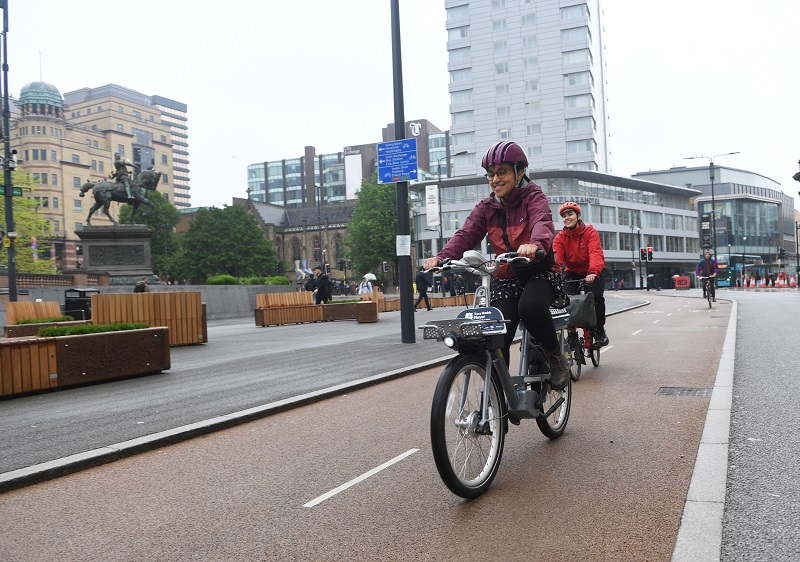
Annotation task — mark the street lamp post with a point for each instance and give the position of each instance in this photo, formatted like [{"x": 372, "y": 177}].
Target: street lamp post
[
  {"x": 713, "y": 207},
  {"x": 744, "y": 248},
  {"x": 9, "y": 163},
  {"x": 633, "y": 261},
  {"x": 446, "y": 157}
]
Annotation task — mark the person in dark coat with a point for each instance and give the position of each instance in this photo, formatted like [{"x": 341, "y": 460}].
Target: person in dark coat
[
  {"x": 422, "y": 286},
  {"x": 322, "y": 292}
]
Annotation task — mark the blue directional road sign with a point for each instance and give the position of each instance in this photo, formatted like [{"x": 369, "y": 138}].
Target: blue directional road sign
[{"x": 397, "y": 161}]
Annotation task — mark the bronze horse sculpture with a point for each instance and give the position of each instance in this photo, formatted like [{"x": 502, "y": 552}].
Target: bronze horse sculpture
[{"x": 106, "y": 191}]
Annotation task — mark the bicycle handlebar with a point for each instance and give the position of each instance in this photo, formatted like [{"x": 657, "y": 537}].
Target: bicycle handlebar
[{"x": 474, "y": 262}]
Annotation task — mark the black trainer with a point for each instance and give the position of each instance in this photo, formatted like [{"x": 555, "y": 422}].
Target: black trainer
[{"x": 600, "y": 337}]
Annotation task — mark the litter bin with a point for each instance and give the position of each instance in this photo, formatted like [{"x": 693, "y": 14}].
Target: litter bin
[{"x": 78, "y": 303}]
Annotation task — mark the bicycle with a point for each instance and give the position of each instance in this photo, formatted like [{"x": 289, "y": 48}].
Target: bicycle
[
  {"x": 582, "y": 344},
  {"x": 707, "y": 288},
  {"x": 476, "y": 395}
]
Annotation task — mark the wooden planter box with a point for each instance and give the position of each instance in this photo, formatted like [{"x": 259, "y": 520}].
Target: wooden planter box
[
  {"x": 359, "y": 311},
  {"x": 33, "y": 364},
  {"x": 183, "y": 313},
  {"x": 288, "y": 315}
]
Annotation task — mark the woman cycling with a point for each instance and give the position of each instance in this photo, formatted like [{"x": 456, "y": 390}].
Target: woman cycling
[
  {"x": 516, "y": 217},
  {"x": 578, "y": 250}
]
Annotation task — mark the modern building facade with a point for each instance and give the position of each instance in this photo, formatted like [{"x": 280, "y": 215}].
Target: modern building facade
[
  {"x": 629, "y": 214},
  {"x": 532, "y": 71},
  {"x": 752, "y": 216},
  {"x": 64, "y": 144}
]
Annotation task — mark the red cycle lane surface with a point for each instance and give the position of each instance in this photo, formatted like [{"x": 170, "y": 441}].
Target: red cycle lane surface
[{"x": 612, "y": 488}]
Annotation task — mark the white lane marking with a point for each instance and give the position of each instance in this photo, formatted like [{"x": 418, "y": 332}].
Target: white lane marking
[
  {"x": 606, "y": 348},
  {"x": 657, "y": 321},
  {"x": 358, "y": 479},
  {"x": 636, "y": 332}
]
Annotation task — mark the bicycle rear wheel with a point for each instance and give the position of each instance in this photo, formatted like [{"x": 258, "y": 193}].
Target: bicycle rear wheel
[
  {"x": 594, "y": 353},
  {"x": 467, "y": 455}
]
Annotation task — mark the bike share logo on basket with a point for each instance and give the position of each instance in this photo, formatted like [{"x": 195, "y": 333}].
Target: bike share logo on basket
[{"x": 488, "y": 315}]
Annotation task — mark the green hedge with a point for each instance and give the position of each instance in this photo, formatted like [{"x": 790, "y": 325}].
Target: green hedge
[
  {"x": 45, "y": 320},
  {"x": 80, "y": 329},
  {"x": 231, "y": 280}
]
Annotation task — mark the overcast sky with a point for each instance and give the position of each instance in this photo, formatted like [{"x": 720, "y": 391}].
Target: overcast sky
[{"x": 264, "y": 79}]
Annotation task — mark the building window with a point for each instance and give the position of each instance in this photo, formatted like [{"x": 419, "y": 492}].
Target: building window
[
  {"x": 45, "y": 202},
  {"x": 581, "y": 56},
  {"x": 535, "y": 151},
  {"x": 78, "y": 226},
  {"x": 457, "y": 33},
  {"x": 53, "y": 156},
  {"x": 575, "y": 34},
  {"x": 577, "y": 79},
  {"x": 501, "y": 67},
  {"x": 76, "y": 159},
  {"x": 44, "y": 179},
  {"x": 529, "y": 19},
  {"x": 573, "y": 12},
  {"x": 532, "y": 85},
  {"x": 137, "y": 114},
  {"x": 498, "y": 4},
  {"x": 164, "y": 139},
  {"x": 585, "y": 145},
  {"x": 54, "y": 179},
  {"x": 502, "y": 90},
  {"x": 462, "y": 117},
  {"x": 498, "y": 25},
  {"x": 458, "y": 55},
  {"x": 101, "y": 166},
  {"x": 35, "y": 152},
  {"x": 534, "y": 129},
  {"x": 95, "y": 144},
  {"x": 463, "y": 138},
  {"x": 163, "y": 158},
  {"x": 94, "y": 164},
  {"x": 529, "y": 42},
  {"x": 121, "y": 149},
  {"x": 119, "y": 127},
  {"x": 77, "y": 205},
  {"x": 88, "y": 142},
  {"x": 504, "y": 133},
  {"x": 504, "y": 111},
  {"x": 530, "y": 63},
  {"x": 119, "y": 108},
  {"x": 461, "y": 96},
  {"x": 164, "y": 178},
  {"x": 580, "y": 124},
  {"x": 608, "y": 240},
  {"x": 55, "y": 203},
  {"x": 532, "y": 107},
  {"x": 457, "y": 12},
  {"x": 56, "y": 227},
  {"x": 575, "y": 102},
  {"x": 76, "y": 182},
  {"x": 500, "y": 46},
  {"x": 463, "y": 75}
]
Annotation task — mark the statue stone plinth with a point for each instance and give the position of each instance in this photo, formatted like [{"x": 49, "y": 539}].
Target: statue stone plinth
[{"x": 122, "y": 251}]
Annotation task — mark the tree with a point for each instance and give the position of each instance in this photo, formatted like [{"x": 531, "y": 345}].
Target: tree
[
  {"x": 165, "y": 246},
  {"x": 227, "y": 240},
  {"x": 373, "y": 228},
  {"x": 30, "y": 227}
]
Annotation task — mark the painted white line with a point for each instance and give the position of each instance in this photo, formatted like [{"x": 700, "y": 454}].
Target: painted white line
[
  {"x": 606, "y": 348},
  {"x": 358, "y": 479},
  {"x": 657, "y": 321},
  {"x": 636, "y": 332}
]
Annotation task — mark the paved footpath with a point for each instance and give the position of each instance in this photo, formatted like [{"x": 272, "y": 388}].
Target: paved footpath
[{"x": 712, "y": 527}]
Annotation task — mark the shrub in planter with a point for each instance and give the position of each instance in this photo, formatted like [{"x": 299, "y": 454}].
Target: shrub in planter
[
  {"x": 222, "y": 280},
  {"x": 55, "y": 331},
  {"x": 45, "y": 320}
]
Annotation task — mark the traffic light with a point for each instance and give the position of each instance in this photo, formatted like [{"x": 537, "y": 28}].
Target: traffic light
[
  {"x": 341, "y": 265},
  {"x": 642, "y": 254},
  {"x": 782, "y": 254},
  {"x": 385, "y": 266},
  {"x": 649, "y": 254},
  {"x": 349, "y": 264},
  {"x": 327, "y": 269}
]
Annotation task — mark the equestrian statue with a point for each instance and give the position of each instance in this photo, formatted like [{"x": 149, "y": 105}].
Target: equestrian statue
[{"x": 124, "y": 189}]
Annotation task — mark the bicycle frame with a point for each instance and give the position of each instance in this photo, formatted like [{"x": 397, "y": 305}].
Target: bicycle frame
[{"x": 521, "y": 400}]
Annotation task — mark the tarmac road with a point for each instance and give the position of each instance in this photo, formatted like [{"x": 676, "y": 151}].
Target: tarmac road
[{"x": 612, "y": 488}]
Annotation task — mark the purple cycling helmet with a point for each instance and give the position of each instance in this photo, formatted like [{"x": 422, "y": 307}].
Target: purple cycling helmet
[{"x": 505, "y": 151}]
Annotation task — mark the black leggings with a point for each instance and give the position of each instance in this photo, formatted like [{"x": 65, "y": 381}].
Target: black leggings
[{"x": 533, "y": 308}]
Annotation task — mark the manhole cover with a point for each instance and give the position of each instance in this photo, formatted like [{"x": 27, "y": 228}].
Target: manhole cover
[{"x": 679, "y": 391}]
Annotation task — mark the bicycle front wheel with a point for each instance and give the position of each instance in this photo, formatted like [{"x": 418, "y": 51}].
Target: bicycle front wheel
[
  {"x": 594, "y": 353},
  {"x": 555, "y": 411},
  {"x": 575, "y": 358},
  {"x": 467, "y": 453}
]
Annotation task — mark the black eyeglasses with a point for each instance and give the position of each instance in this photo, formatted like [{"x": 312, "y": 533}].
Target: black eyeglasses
[{"x": 499, "y": 173}]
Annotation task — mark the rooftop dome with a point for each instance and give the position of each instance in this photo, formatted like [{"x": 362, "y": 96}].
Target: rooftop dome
[{"x": 41, "y": 92}]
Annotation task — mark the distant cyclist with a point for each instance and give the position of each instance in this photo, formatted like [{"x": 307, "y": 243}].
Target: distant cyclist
[
  {"x": 579, "y": 252},
  {"x": 707, "y": 267}
]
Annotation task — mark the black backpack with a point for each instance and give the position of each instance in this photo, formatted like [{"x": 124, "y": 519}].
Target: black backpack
[{"x": 310, "y": 285}]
